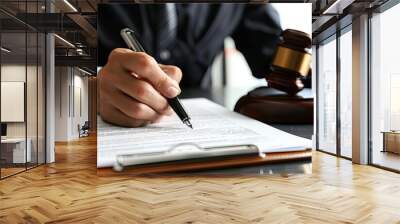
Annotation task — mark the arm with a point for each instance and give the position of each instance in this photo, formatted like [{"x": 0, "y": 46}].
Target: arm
[{"x": 256, "y": 37}]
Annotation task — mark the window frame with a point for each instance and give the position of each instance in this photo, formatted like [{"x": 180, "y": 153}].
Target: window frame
[
  {"x": 378, "y": 10},
  {"x": 335, "y": 36},
  {"x": 27, "y": 29}
]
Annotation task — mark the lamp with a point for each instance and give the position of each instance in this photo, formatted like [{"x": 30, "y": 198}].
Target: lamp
[
  {"x": 84, "y": 71},
  {"x": 64, "y": 41},
  {"x": 5, "y": 50},
  {"x": 70, "y": 6}
]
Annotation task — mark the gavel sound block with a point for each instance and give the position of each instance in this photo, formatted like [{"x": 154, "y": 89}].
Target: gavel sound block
[{"x": 284, "y": 101}]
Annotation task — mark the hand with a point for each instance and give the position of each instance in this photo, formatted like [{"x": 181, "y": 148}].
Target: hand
[{"x": 133, "y": 88}]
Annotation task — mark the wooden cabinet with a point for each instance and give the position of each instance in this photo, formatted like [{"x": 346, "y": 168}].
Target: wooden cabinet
[{"x": 391, "y": 141}]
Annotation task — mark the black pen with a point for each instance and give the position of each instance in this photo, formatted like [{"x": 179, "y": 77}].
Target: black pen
[{"x": 129, "y": 37}]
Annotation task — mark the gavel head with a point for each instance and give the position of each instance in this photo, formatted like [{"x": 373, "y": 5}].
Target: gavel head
[{"x": 291, "y": 63}]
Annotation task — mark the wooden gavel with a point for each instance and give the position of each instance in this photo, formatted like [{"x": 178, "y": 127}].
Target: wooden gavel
[
  {"x": 291, "y": 63},
  {"x": 289, "y": 70}
]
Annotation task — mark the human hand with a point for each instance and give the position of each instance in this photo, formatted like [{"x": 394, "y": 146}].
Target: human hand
[{"x": 133, "y": 88}]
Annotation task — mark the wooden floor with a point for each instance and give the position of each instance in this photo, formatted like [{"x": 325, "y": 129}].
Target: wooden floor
[
  {"x": 10, "y": 171},
  {"x": 386, "y": 159},
  {"x": 69, "y": 191}
]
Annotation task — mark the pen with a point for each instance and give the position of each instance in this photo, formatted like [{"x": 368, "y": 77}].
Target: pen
[{"x": 128, "y": 36}]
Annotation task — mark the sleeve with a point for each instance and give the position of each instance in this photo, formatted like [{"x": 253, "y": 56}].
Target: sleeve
[{"x": 256, "y": 37}]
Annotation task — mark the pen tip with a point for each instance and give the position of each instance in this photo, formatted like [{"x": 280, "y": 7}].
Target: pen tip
[{"x": 187, "y": 122}]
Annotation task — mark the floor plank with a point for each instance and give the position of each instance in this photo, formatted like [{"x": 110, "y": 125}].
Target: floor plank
[{"x": 69, "y": 191}]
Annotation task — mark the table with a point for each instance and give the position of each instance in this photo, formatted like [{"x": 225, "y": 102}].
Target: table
[
  {"x": 13, "y": 150},
  {"x": 227, "y": 97}
]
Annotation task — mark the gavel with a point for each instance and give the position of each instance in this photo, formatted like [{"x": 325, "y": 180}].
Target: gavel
[
  {"x": 291, "y": 64},
  {"x": 281, "y": 102}
]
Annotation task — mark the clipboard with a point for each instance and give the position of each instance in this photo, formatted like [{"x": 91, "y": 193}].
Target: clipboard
[{"x": 237, "y": 156}]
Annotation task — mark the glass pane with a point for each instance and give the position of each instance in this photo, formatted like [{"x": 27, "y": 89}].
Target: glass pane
[
  {"x": 31, "y": 97},
  {"x": 13, "y": 86},
  {"x": 31, "y": 84},
  {"x": 327, "y": 96},
  {"x": 346, "y": 94},
  {"x": 41, "y": 98},
  {"x": 385, "y": 84}
]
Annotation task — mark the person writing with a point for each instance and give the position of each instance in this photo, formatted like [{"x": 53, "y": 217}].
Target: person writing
[{"x": 183, "y": 40}]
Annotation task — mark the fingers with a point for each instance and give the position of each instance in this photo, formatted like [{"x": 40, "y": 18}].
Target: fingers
[
  {"x": 172, "y": 71},
  {"x": 131, "y": 107},
  {"x": 145, "y": 67},
  {"x": 115, "y": 116},
  {"x": 141, "y": 91}
]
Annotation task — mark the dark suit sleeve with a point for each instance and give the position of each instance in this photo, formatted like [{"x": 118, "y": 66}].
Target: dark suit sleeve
[{"x": 256, "y": 37}]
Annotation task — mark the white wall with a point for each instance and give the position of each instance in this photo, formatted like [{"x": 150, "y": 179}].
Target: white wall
[
  {"x": 295, "y": 16},
  {"x": 12, "y": 100},
  {"x": 14, "y": 73},
  {"x": 62, "y": 82},
  {"x": 71, "y": 94},
  {"x": 33, "y": 126},
  {"x": 80, "y": 110},
  {"x": 82, "y": 83}
]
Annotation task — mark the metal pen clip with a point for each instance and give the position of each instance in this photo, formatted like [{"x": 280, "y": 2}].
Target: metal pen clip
[{"x": 129, "y": 37}]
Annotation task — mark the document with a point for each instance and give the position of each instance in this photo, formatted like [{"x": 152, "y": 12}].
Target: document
[{"x": 213, "y": 126}]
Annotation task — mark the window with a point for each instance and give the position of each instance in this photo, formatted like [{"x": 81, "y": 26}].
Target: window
[
  {"x": 385, "y": 89},
  {"x": 327, "y": 95},
  {"x": 15, "y": 147},
  {"x": 346, "y": 92},
  {"x": 22, "y": 77},
  {"x": 334, "y": 98}
]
